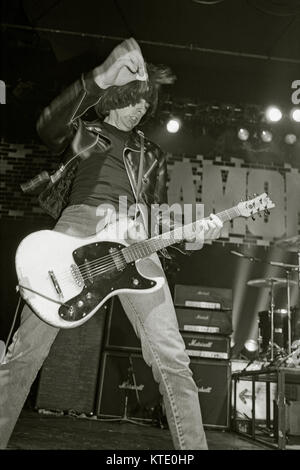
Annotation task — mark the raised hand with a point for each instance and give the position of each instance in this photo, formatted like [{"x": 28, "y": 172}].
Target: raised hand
[{"x": 124, "y": 65}]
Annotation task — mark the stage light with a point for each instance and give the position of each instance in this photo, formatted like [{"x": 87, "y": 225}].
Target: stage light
[
  {"x": 251, "y": 345},
  {"x": 295, "y": 115},
  {"x": 243, "y": 134},
  {"x": 290, "y": 139},
  {"x": 250, "y": 349},
  {"x": 273, "y": 114},
  {"x": 266, "y": 136},
  {"x": 173, "y": 125}
]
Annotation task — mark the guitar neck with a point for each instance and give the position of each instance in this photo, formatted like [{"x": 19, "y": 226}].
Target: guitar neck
[{"x": 147, "y": 247}]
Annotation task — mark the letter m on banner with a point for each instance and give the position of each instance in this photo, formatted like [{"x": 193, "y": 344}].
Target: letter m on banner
[{"x": 2, "y": 92}]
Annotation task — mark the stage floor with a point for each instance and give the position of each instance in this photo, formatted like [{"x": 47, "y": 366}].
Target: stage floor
[{"x": 36, "y": 431}]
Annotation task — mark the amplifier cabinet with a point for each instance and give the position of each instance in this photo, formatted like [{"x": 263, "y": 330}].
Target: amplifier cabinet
[
  {"x": 207, "y": 346},
  {"x": 127, "y": 387},
  {"x": 210, "y": 298},
  {"x": 69, "y": 376},
  {"x": 119, "y": 331},
  {"x": 204, "y": 321},
  {"x": 213, "y": 381}
]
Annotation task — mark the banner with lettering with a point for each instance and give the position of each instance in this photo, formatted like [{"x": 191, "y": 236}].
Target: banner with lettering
[{"x": 222, "y": 184}]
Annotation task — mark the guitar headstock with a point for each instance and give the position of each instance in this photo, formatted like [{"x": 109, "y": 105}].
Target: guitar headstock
[{"x": 256, "y": 205}]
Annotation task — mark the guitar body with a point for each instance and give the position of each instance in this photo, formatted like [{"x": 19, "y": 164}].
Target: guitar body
[{"x": 67, "y": 269}]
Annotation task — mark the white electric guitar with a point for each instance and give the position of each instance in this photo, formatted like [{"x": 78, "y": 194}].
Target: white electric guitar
[{"x": 66, "y": 279}]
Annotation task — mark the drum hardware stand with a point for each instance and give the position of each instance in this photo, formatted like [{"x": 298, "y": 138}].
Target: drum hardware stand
[
  {"x": 289, "y": 311},
  {"x": 272, "y": 307},
  {"x": 128, "y": 386}
]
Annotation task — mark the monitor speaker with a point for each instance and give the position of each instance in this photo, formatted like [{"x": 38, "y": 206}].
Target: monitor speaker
[
  {"x": 213, "y": 381},
  {"x": 69, "y": 376},
  {"x": 127, "y": 387}
]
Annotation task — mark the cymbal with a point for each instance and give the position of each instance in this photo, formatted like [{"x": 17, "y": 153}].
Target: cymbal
[
  {"x": 289, "y": 244},
  {"x": 271, "y": 281}
]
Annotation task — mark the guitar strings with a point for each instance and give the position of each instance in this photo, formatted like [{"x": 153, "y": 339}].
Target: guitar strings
[
  {"x": 83, "y": 266},
  {"x": 99, "y": 268},
  {"x": 138, "y": 246},
  {"x": 96, "y": 267},
  {"x": 103, "y": 261},
  {"x": 96, "y": 271},
  {"x": 87, "y": 273}
]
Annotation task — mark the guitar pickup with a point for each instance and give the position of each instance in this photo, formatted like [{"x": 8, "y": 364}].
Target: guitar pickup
[{"x": 55, "y": 283}]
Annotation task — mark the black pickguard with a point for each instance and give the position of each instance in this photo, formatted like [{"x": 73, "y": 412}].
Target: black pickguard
[{"x": 98, "y": 287}]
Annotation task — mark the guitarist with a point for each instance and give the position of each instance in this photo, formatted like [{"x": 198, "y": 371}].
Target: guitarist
[{"x": 104, "y": 160}]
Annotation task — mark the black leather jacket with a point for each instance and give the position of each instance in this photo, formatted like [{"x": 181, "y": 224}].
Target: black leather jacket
[{"x": 63, "y": 130}]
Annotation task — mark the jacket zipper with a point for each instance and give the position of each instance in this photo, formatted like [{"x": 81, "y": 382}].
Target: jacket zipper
[{"x": 128, "y": 175}]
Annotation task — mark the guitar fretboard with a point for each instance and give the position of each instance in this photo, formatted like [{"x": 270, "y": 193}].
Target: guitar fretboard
[{"x": 147, "y": 247}]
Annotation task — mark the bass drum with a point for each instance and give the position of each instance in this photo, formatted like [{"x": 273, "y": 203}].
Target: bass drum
[
  {"x": 280, "y": 328},
  {"x": 295, "y": 323}
]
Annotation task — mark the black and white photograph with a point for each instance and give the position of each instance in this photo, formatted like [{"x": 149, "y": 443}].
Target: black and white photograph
[{"x": 150, "y": 228}]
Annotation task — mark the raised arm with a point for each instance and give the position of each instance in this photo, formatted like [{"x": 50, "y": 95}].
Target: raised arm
[{"x": 58, "y": 122}]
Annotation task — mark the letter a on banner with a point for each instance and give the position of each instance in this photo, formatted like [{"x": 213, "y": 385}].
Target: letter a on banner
[
  {"x": 181, "y": 185},
  {"x": 182, "y": 190}
]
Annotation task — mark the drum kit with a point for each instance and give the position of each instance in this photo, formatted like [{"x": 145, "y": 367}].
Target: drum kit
[{"x": 278, "y": 328}]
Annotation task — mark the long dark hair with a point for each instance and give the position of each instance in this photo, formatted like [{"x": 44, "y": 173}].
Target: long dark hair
[{"x": 117, "y": 97}]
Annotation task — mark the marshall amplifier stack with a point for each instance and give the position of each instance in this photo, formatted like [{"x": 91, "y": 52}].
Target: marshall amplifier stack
[
  {"x": 204, "y": 316},
  {"x": 127, "y": 389}
]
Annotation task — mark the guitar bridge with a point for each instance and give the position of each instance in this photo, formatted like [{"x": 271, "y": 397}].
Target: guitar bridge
[
  {"x": 55, "y": 283},
  {"x": 77, "y": 275}
]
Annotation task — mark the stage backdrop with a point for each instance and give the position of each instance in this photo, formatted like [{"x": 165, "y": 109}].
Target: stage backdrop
[{"x": 222, "y": 184}]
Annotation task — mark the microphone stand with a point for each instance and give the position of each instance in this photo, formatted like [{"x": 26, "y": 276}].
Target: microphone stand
[
  {"x": 299, "y": 269},
  {"x": 289, "y": 312}
]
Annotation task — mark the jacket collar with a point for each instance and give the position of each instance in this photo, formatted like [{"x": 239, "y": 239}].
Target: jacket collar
[{"x": 133, "y": 141}]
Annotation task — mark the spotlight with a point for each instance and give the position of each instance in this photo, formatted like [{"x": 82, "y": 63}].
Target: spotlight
[
  {"x": 250, "y": 349},
  {"x": 173, "y": 125},
  {"x": 266, "y": 136},
  {"x": 251, "y": 345},
  {"x": 273, "y": 114},
  {"x": 243, "y": 134},
  {"x": 295, "y": 115},
  {"x": 290, "y": 139}
]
